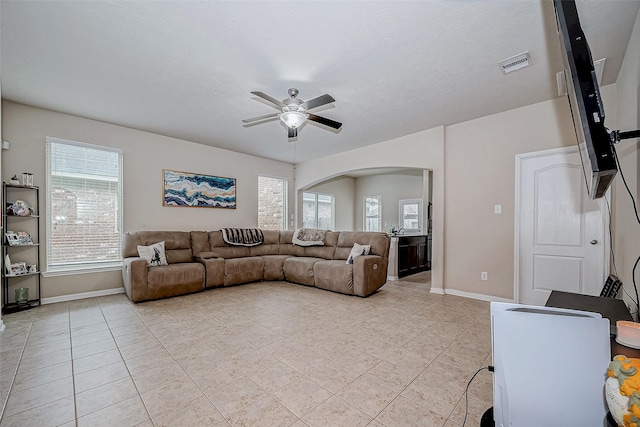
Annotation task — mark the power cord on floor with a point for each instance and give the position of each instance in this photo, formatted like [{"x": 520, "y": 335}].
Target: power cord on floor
[{"x": 466, "y": 391}]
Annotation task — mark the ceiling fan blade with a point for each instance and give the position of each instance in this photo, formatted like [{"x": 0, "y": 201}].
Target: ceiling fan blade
[
  {"x": 271, "y": 99},
  {"x": 293, "y": 132},
  {"x": 257, "y": 119},
  {"x": 325, "y": 121},
  {"x": 318, "y": 102}
]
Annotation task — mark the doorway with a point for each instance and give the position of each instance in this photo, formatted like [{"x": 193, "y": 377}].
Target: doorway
[{"x": 561, "y": 243}]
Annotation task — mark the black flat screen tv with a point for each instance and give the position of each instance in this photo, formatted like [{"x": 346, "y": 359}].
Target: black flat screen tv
[{"x": 594, "y": 140}]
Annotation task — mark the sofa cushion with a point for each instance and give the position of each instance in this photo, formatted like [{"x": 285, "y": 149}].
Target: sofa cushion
[
  {"x": 274, "y": 266},
  {"x": 224, "y": 250},
  {"x": 379, "y": 243},
  {"x": 300, "y": 270},
  {"x": 358, "y": 250},
  {"x": 270, "y": 246},
  {"x": 175, "y": 279},
  {"x": 334, "y": 276},
  {"x": 287, "y": 247},
  {"x": 243, "y": 270},
  {"x": 177, "y": 244},
  {"x": 153, "y": 254}
]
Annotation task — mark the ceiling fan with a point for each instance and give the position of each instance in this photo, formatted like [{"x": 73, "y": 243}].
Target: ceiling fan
[{"x": 294, "y": 112}]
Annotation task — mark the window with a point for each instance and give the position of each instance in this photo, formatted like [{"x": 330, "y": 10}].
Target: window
[
  {"x": 318, "y": 211},
  {"x": 272, "y": 203},
  {"x": 411, "y": 215},
  {"x": 373, "y": 213},
  {"x": 84, "y": 206}
]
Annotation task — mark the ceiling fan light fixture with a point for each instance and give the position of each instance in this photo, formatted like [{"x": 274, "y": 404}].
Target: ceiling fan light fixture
[{"x": 293, "y": 119}]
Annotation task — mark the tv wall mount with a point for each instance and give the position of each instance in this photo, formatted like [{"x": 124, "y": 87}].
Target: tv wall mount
[{"x": 617, "y": 136}]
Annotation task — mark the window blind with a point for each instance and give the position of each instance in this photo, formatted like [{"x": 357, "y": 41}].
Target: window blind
[{"x": 84, "y": 205}]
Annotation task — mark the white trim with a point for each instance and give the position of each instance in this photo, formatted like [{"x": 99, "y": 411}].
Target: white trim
[
  {"x": 392, "y": 278},
  {"x": 439, "y": 291},
  {"x": 90, "y": 270},
  {"x": 472, "y": 295},
  {"x": 2, "y": 325},
  {"x": 82, "y": 295},
  {"x": 516, "y": 245}
]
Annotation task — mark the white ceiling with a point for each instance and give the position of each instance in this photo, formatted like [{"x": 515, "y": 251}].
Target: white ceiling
[{"x": 186, "y": 69}]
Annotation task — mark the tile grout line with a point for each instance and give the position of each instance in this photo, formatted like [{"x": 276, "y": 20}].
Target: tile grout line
[{"x": 15, "y": 372}]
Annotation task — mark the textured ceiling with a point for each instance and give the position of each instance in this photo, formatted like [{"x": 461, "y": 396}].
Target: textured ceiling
[{"x": 186, "y": 69}]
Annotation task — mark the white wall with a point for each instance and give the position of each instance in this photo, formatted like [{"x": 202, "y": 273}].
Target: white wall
[
  {"x": 626, "y": 227},
  {"x": 145, "y": 155}
]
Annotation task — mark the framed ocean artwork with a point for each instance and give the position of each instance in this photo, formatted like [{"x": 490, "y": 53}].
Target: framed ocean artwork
[{"x": 197, "y": 190}]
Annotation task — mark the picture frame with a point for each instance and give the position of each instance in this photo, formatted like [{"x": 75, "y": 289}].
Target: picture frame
[
  {"x": 18, "y": 268},
  {"x": 12, "y": 238},
  {"x": 24, "y": 238},
  {"x": 186, "y": 189}
]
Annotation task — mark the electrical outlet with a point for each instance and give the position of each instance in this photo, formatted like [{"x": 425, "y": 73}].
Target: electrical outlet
[
  {"x": 484, "y": 276},
  {"x": 497, "y": 209}
]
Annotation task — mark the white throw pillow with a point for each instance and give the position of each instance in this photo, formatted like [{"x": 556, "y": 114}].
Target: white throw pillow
[
  {"x": 154, "y": 254},
  {"x": 358, "y": 250}
]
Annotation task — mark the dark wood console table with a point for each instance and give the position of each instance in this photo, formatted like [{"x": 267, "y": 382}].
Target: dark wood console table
[{"x": 610, "y": 308}]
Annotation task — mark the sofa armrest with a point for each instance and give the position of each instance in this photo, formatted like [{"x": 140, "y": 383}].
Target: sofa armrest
[
  {"x": 134, "y": 276},
  {"x": 369, "y": 274}
]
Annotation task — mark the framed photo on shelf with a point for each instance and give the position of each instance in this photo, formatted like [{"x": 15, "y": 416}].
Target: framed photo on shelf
[
  {"x": 12, "y": 238},
  {"x": 24, "y": 238},
  {"x": 18, "y": 268}
]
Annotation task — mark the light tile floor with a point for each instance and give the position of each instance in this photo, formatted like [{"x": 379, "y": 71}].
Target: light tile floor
[{"x": 264, "y": 354}]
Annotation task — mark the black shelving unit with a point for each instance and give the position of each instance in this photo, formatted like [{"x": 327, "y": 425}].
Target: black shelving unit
[{"x": 27, "y": 253}]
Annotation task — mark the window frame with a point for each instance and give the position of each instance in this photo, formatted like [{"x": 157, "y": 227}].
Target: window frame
[
  {"x": 316, "y": 209},
  {"x": 66, "y": 268},
  {"x": 365, "y": 221},
  {"x": 420, "y": 214},
  {"x": 285, "y": 207}
]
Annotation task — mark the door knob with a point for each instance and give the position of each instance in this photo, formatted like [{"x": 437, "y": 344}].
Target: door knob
[{"x": 594, "y": 242}]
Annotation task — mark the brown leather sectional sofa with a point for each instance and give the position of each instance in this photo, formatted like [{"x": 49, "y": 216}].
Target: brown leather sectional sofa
[{"x": 201, "y": 259}]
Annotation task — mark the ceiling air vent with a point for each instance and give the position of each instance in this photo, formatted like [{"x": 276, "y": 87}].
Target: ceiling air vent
[{"x": 515, "y": 63}]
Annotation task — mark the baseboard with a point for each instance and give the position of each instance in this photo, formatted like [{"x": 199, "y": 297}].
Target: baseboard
[
  {"x": 472, "y": 295},
  {"x": 82, "y": 295},
  {"x": 392, "y": 278},
  {"x": 438, "y": 291},
  {"x": 2, "y": 325}
]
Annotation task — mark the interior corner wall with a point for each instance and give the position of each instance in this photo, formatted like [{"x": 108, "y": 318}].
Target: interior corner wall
[
  {"x": 421, "y": 150},
  {"x": 392, "y": 188},
  {"x": 480, "y": 173},
  {"x": 343, "y": 191},
  {"x": 626, "y": 228},
  {"x": 145, "y": 156}
]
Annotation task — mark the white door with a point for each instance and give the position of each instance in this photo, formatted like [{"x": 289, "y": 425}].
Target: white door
[{"x": 561, "y": 242}]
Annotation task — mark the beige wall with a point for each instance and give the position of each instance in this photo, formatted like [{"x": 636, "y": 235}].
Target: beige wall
[
  {"x": 145, "y": 155},
  {"x": 421, "y": 150},
  {"x": 342, "y": 188},
  {"x": 480, "y": 173},
  {"x": 626, "y": 228},
  {"x": 392, "y": 188}
]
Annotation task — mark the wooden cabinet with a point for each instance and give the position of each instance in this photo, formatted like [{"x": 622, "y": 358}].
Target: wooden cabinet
[
  {"x": 21, "y": 247},
  {"x": 414, "y": 254}
]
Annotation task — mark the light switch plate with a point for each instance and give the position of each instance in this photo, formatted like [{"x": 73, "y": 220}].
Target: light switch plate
[{"x": 497, "y": 209}]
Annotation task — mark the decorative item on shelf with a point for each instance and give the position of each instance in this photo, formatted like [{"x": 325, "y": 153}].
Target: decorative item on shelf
[
  {"x": 7, "y": 263},
  {"x": 20, "y": 208},
  {"x": 18, "y": 268},
  {"x": 24, "y": 238},
  {"x": 12, "y": 238},
  {"x": 27, "y": 179},
  {"x": 33, "y": 268},
  {"x": 22, "y": 296},
  {"x": 14, "y": 180}
]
